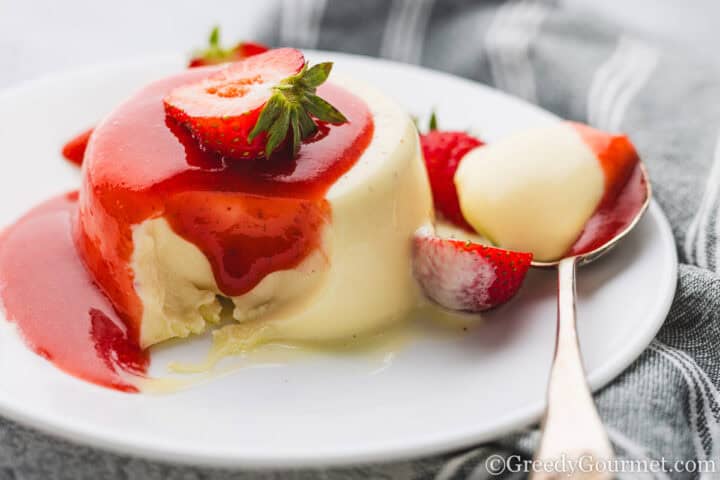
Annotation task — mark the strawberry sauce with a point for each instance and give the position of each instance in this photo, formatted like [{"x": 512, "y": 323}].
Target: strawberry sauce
[
  {"x": 625, "y": 188},
  {"x": 613, "y": 216},
  {"x": 65, "y": 274},
  {"x": 61, "y": 314},
  {"x": 249, "y": 217}
]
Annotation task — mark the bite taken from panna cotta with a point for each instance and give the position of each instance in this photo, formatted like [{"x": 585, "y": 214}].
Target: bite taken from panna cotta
[
  {"x": 536, "y": 190},
  {"x": 305, "y": 236}
]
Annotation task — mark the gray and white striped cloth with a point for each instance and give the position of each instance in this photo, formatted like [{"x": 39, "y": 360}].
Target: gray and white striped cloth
[{"x": 667, "y": 404}]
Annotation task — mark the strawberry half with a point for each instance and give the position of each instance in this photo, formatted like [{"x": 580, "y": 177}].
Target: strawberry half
[
  {"x": 467, "y": 276},
  {"x": 74, "y": 150},
  {"x": 215, "y": 53},
  {"x": 248, "y": 108},
  {"x": 443, "y": 151}
]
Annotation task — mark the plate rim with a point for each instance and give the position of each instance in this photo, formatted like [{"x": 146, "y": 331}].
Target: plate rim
[{"x": 430, "y": 444}]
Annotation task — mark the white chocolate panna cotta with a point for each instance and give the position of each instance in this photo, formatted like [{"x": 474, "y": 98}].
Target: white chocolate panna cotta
[
  {"x": 532, "y": 191},
  {"x": 357, "y": 280}
]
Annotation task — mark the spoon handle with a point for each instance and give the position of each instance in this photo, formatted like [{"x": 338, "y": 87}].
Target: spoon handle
[{"x": 571, "y": 429}]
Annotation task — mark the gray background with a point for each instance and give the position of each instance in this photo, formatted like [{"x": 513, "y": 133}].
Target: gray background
[{"x": 42, "y": 36}]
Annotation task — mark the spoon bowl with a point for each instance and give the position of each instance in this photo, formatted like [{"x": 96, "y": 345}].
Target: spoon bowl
[{"x": 590, "y": 256}]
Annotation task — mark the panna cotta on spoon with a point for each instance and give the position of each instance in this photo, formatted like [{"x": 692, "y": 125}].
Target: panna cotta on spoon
[
  {"x": 543, "y": 194},
  {"x": 536, "y": 190}
]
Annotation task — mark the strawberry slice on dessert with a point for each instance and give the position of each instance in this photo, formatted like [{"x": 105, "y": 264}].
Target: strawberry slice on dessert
[
  {"x": 466, "y": 276},
  {"x": 215, "y": 53},
  {"x": 249, "y": 108},
  {"x": 443, "y": 150}
]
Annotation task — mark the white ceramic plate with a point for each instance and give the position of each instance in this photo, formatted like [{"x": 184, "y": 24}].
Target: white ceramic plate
[{"x": 432, "y": 395}]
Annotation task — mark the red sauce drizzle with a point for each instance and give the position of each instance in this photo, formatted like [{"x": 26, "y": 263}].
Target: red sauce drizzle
[
  {"x": 625, "y": 188},
  {"x": 74, "y": 150},
  {"x": 245, "y": 237},
  {"x": 250, "y": 218},
  {"x": 61, "y": 314}
]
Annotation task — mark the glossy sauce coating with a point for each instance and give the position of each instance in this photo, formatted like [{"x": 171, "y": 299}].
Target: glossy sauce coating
[
  {"x": 625, "y": 188},
  {"x": 59, "y": 311},
  {"x": 250, "y": 218}
]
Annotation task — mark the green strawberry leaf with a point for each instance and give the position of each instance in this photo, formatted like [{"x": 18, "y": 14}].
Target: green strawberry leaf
[
  {"x": 295, "y": 125},
  {"x": 433, "y": 122},
  {"x": 307, "y": 125},
  {"x": 214, "y": 40},
  {"x": 278, "y": 131},
  {"x": 322, "y": 110},
  {"x": 214, "y": 53},
  {"x": 294, "y": 109},
  {"x": 317, "y": 75},
  {"x": 272, "y": 110}
]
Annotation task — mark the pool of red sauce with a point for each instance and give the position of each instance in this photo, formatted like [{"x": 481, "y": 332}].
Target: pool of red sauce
[
  {"x": 65, "y": 265},
  {"x": 61, "y": 314}
]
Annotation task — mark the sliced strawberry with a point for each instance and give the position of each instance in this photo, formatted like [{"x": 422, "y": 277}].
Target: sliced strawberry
[
  {"x": 74, "y": 150},
  {"x": 467, "y": 276},
  {"x": 443, "y": 151},
  {"x": 248, "y": 108},
  {"x": 248, "y": 49},
  {"x": 215, "y": 53}
]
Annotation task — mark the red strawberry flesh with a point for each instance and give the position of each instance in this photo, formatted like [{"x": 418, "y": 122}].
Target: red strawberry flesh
[
  {"x": 443, "y": 151},
  {"x": 238, "y": 88},
  {"x": 215, "y": 54},
  {"x": 251, "y": 108},
  {"x": 222, "y": 110},
  {"x": 248, "y": 49},
  {"x": 467, "y": 276}
]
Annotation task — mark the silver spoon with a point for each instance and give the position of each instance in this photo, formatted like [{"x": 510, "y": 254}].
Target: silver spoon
[{"x": 571, "y": 427}]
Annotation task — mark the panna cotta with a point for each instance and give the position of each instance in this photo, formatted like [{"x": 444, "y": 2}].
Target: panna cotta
[
  {"x": 260, "y": 202},
  {"x": 536, "y": 190},
  {"x": 314, "y": 248}
]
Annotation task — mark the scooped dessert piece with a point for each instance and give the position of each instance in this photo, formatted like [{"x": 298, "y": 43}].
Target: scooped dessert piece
[
  {"x": 308, "y": 240},
  {"x": 534, "y": 191}
]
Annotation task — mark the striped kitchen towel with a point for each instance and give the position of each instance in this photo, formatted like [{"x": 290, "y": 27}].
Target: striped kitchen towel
[{"x": 667, "y": 404}]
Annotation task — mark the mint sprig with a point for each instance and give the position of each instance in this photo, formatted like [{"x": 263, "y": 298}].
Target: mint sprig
[{"x": 294, "y": 109}]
